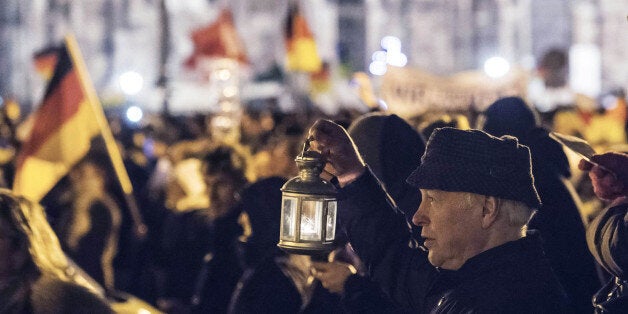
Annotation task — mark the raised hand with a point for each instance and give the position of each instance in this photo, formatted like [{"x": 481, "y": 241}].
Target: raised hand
[
  {"x": 338, "y": 150},
  {"x": 610, "y": 181}
]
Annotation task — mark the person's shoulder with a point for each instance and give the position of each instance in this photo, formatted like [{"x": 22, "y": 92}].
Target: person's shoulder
[
  {"x": 52, "y": 295},
  {"x": 522, "y": 301}
]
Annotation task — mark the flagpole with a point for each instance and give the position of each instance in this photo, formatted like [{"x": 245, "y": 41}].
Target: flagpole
[{"x": 105, "y": 132}]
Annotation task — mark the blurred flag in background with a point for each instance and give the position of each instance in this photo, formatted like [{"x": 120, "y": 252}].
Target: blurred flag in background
[
  {"x": 218, "y": 40},
  {"x": 301, "y": 51}
]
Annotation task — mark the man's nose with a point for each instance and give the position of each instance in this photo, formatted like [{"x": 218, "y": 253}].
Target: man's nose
[{"x": 419, "y": 217}]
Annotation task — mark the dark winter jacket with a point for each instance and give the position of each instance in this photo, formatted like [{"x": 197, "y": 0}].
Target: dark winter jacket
[
  {"x": 559, "y": 221},
  {"x": 512, "y": 278},
  {"x": 363, "y": 295}
]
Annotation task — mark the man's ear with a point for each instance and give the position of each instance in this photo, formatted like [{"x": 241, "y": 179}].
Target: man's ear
[{"x": 490, "y": 211}]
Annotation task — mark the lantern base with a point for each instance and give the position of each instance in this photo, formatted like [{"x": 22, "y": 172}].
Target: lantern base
[{"x": 319, "y": 252}]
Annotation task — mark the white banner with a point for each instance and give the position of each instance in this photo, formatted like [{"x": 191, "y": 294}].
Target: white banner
[{"x": 410, "y": 92}]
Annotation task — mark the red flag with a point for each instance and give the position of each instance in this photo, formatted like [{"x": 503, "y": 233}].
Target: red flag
[
  {"x": 301, "y": 52},
  {"x": 218, "y": 40}
]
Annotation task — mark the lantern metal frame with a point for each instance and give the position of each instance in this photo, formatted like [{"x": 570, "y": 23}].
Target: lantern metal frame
[{"x": 308, "y": 192}]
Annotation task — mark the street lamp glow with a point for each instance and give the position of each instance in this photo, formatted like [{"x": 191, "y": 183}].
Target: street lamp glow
[
  {"x": 224, "y": 74},
  {"x": 377, "y": 68},
  {"x": 398, "y": 59},
  {"x": 391, "y": 44},
  {"x": 134, "y": 114},
  {"x": 230, "y": 91},
  {"x": 496, "y": 67},
  {"x": 131, "y": 82},
  {"x": 379, "y": 56}
]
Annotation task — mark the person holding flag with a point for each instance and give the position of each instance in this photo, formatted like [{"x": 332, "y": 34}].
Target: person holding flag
[{"x": 63, "y": 129}]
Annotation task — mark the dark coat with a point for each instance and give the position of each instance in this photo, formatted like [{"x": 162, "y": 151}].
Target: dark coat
[
  {"x": 379, "y": 235},
  {"x": 363, "y": 295},
  {"x": 607, "y": 237},
  {"x": 559, "y": 221},
  {"x": 512, "y": 278}
]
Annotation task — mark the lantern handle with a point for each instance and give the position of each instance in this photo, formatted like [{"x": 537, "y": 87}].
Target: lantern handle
[{"x": 306, "y": 145}]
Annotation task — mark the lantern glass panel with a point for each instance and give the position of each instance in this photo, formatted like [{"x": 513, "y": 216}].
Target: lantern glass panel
[
  {"x": 330, "y": 231},
  {"x": 288, "y": 214},
  {"x": 311, "y": 220}
]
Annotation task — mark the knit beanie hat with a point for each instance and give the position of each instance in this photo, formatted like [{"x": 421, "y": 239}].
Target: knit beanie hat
[{"x": 476, "y": 162}]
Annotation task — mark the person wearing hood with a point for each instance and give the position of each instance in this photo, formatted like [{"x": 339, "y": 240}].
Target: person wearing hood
[
  {"x": 392, "y": 149},
  {"x": 558, "y": 220},
  {"x": 381, "y": 234}
]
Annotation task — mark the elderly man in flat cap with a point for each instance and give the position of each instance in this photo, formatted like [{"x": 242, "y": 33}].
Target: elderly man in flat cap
[{"x": 478, "y": 195}]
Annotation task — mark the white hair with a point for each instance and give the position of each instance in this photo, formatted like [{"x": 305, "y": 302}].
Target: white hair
[{"x": 517, "y": 213}]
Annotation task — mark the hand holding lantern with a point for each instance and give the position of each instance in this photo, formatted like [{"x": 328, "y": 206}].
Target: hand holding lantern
[{"x": 338, "y": 150}]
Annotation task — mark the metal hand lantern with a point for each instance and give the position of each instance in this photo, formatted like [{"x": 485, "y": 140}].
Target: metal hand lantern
[{"x": 308, "y": 212}]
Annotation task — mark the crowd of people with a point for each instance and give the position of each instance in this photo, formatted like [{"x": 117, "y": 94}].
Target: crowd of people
[{"x": 433, "y": 217}]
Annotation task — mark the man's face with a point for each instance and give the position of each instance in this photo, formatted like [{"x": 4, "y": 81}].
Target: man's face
[{"x": 452, "y": 226}]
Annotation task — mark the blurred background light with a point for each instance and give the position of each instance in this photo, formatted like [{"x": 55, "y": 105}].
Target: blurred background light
[
  {"x": 391, "y": 43},
  {"x": 398, "y": 59},
  {"x": 496, "y": 67},
  {"x": 230, "y": 91},
  {"x": 131, "y": 82},
  {"x": 134, "y": 114},
  {"x": 379, "y": 56},
  {"x": 377, "y": 68},
  {"x": 585, "y": 69},
  {"x": 224, "y": 74}
]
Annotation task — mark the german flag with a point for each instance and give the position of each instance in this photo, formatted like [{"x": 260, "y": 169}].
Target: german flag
[
  {"x": 69, "y": 117},
  {"x": 301, "y": 52}
]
